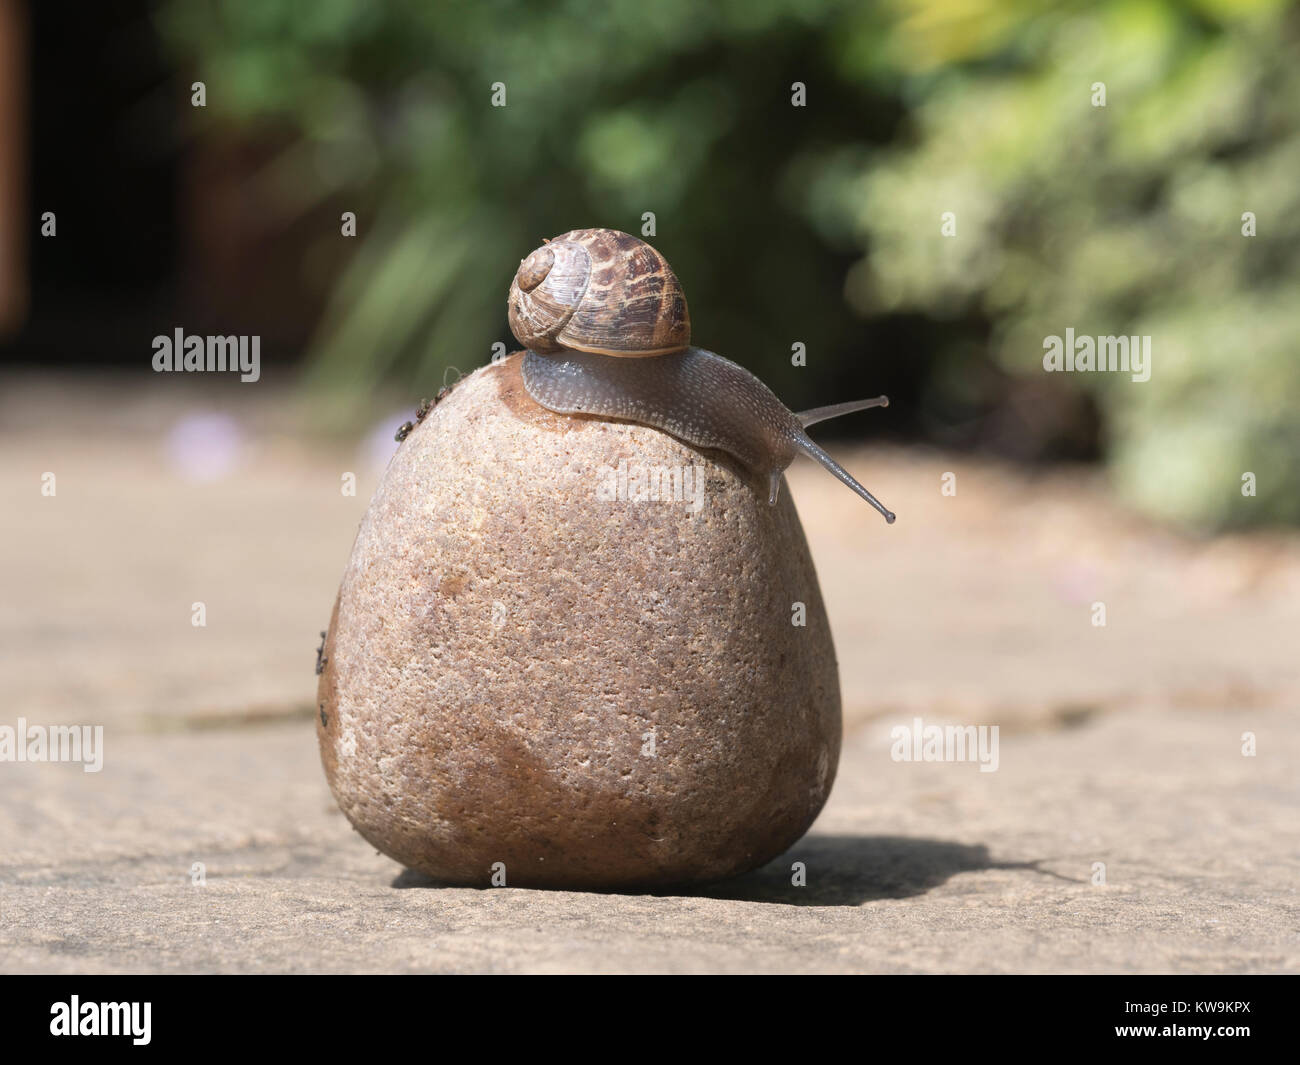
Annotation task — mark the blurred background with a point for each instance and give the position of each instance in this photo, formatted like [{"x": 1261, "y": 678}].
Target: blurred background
[{"x": 818, "y": 225}]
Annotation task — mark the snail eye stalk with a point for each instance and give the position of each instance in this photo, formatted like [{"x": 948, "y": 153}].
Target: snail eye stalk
[{"x": 821, "y": 414}]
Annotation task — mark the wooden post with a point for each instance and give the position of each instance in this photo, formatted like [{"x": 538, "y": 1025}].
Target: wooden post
[{"x": 14, "y": 223}]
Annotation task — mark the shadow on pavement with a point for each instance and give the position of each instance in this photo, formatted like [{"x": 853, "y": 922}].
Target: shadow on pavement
[
  {"x": 839, "y": 871},
  {"x": 850, "y": 870}
]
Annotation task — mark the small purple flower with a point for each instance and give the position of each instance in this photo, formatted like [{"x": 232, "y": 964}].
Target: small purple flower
[{"x": 206, "y": 446}]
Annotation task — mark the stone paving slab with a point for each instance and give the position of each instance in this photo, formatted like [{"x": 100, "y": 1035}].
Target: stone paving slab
[{"x": 913, "y": 867}]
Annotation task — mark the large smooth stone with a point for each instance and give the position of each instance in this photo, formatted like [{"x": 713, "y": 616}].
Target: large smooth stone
[{"x": 594, "y": 692}]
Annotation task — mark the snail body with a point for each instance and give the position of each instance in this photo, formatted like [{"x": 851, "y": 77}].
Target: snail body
[{"x": 607, "y": 329}]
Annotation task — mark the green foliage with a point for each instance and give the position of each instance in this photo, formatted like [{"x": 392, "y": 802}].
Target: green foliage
[
  {"x": 799, "y": 223},
  {"x": 1117, "y": 220},
  {"x": 612, "y": 110}
]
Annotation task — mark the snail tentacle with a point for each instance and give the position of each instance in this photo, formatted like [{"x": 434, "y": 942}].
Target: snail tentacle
[
  {"x": 821, "y": 414},
  {"x": 804, "y": 444}
]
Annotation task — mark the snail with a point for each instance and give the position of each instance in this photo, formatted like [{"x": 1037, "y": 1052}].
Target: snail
[{"x": 608, "y": 333}]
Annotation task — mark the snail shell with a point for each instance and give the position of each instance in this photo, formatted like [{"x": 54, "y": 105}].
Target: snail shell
[{"x": 601, "y": 291}]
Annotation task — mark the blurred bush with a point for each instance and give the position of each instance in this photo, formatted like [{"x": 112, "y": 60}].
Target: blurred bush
[
  {"x": 1125, "y": 219},
  {"x": 797, "y": 224},
  {"x": 613, "y": 109}
]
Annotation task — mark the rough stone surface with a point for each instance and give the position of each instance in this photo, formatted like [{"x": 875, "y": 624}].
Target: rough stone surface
[{"x": 508, "y": 644}]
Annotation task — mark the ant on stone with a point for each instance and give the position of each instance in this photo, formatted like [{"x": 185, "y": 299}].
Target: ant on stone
[
  {"x": 320, "y": 656},
  {"x": 404, "y": 430}
]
